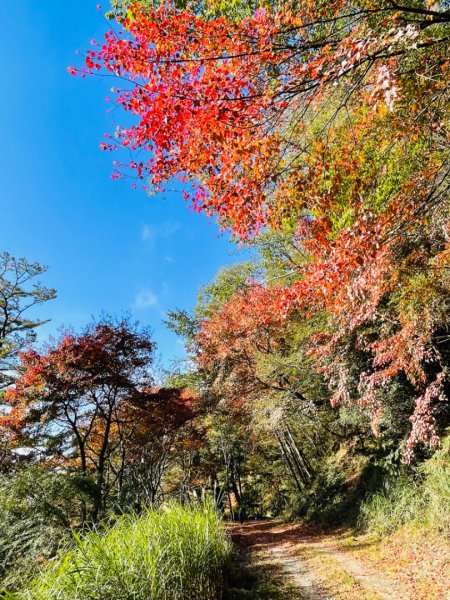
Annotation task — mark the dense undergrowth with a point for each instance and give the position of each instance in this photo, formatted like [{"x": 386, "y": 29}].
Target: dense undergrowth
[
  {"x": 174, "y": 552},
  {"x": 356, "y": 491},
  {"x": 421, "y": 500}
]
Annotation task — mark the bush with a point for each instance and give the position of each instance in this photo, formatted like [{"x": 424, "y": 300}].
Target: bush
[
  {"x": 338, "y": 490},
  {"x": 421, "y": 498},
  {"x": 400, "y": 502},
  {"x": 436, "y": 490},
  {"x": 38, "y": 507},
  {"x": 173, "y": 552},
  {"x": 322, "y": 502}
]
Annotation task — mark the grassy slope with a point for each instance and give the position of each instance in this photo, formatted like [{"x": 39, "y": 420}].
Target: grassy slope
[
  {"x": 419, "y": 559},
  {"x": 409, "y": 529}
]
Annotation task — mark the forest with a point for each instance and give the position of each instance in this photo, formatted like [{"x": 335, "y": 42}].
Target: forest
[{"x": 310, "y": 420}]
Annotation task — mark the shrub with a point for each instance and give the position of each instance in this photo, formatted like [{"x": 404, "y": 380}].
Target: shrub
[
  {"x": 400, "y": 502},
  {"x": 38, "y": 507},
  {"x": 436, "y": 489},
  {"x": 422, "y": 498},
  {"x": 338, "y": 490}
]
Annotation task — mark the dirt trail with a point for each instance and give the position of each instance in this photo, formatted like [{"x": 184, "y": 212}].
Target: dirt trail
[
  {"x": 301, "y": 575},
  {"x": 317, "y": 564}
]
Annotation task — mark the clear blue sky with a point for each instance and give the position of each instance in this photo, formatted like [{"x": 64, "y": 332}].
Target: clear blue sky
[{"x": 108, "y": 247}]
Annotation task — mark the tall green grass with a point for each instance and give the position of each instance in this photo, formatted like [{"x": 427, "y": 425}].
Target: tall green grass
[
  {"x": 171, "y": 553},
  {"x": 400, "y": 502},
  {"x": 422, "y": 500}
]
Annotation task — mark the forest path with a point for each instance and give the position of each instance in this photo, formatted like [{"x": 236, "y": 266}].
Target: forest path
[{"x": 317, "y": 565}]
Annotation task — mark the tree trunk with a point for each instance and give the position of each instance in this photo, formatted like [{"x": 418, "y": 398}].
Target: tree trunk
[{"x": 288, "y": 462}]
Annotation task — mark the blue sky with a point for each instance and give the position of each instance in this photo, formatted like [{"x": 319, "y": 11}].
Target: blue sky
[{"x": 108, "y": 247}]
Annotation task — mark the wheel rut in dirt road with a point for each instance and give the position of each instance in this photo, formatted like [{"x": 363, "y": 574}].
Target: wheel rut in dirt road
[
  {"x": 313, "y": 563},
  {"x": 301, "y": 575}
]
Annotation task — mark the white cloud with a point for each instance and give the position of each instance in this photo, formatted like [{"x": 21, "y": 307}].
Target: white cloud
[
  {"x": 165, "y": 230},
  {"x": 169, "y": 228},
  {"x": 145, "y": 299},
  {"x": 148, "y": 233}
]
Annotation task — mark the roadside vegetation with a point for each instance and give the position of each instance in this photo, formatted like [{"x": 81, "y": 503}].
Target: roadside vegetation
[
  {"x": 174, "y": 552},
  {"x": 421, "y": 500}
]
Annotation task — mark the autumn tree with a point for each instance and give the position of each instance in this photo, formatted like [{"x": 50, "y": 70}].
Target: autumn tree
[
  {"x": 241, "y": 97},
  {"x": 255, "y": 377},
  {"x": 329, "y": 121},
  {"x": 159, "y": 431},
  {"x": 67, "y": 403}
]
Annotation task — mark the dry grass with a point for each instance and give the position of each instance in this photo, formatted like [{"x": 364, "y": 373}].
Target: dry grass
[
  {"x": 337, "y": 583},
  {"x": 419, "y": 560}
]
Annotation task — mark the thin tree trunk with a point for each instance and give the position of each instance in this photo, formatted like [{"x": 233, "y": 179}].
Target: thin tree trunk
[
  {"x": 302, "y": 459},
  {"x": 294, "y": 458},
  {"x": 288, "y": 462}
]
